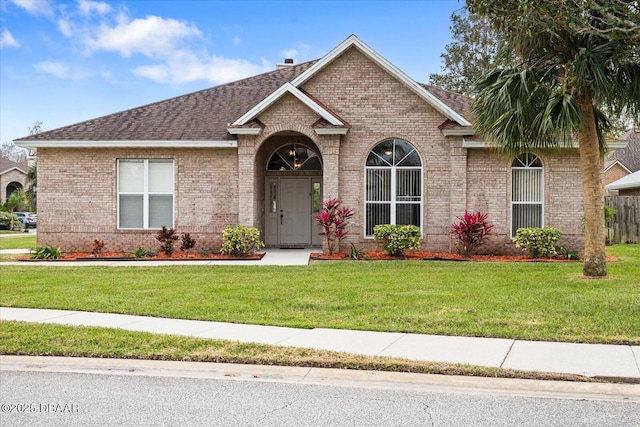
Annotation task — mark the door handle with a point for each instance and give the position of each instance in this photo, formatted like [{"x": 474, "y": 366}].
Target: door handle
[{"x": 281, "y": 216}]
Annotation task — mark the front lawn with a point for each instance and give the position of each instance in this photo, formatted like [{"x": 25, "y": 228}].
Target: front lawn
[
  {"x": 537, "y": 301},
  {"x": 24, "y": 241}
]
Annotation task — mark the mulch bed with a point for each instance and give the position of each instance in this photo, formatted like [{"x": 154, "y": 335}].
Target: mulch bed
[
  {"x": 176, "y": 256},
  {"x": 442, "y": 256}
]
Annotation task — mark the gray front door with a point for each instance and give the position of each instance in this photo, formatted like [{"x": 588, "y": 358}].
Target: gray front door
[
  {"x": 289, "y": 214},
  {"x": 295, "y": 211}
]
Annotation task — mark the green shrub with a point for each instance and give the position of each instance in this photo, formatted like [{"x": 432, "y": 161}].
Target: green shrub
[
  {"x": 540, "y": 242},
  {"x": 5, "y": 220},
  {"x": 397, "y": 238},
  {"x": 45, "y": 252},
  {"x": 140, "y": 253},
  {"x": 240, "y": 240},
  {"x": 357, "y": 253}
]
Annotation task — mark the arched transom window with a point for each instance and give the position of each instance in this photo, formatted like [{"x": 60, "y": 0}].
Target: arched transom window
[
  {"x": 294, "y": 157},
  {"x": 393, "y": 185},
  {"x": 527, "y": 192}
]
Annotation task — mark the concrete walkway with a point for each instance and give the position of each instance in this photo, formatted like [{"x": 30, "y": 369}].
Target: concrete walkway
[
  {"x": 280, "y": 257},
  {"x": 591, "y": 360}
]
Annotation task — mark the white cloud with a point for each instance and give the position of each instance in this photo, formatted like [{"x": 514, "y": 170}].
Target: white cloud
[
  {"x": 152, "y": 36},
  {"x": 299, "y": 53},
  {"x": 36, "y": 7},
  {"x": 7, "y": 40},
  {"x": 55, "y": 68},
  {"x": 236, "y": 41},
  {"x": 87, "y": 7},
  {"x": 185, "y": 66}
]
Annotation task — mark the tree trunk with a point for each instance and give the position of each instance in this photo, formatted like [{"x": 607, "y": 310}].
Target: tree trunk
[{"x": 595, "y": 264}]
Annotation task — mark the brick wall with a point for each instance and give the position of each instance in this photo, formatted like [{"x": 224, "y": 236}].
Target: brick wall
[
  {"x": 77, "y": 197},
  {"x": 8, "y": 178}
]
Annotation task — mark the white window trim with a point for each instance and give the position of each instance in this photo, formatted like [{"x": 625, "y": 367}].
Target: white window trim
[
  {"x": 542, "y": 194},
  {"x": 393, "y": 202},
  {"x": 145, "y": 194}
]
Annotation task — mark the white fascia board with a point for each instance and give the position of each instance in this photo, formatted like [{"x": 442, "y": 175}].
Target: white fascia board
[
  {"x": 458, "y": 132},
  {"x": 387, "y": 66},
  {"x": 612, "y": 145},
  {"x": 277, "y": 94},
  {"x": 617, "y": 144},
  {"x": 127, "y": 144},
  {"x": 331, "y": 131},
  {"x": 628, "y": 181},
  {"x": 244, "y": 131},
  {"x": 474, "y": 144}
]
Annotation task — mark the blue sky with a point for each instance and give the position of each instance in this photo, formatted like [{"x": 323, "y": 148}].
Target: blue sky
[{"x": 62, "y": 62}]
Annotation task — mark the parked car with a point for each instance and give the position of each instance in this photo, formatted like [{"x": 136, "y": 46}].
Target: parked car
[{"x": 29, "y": 219}]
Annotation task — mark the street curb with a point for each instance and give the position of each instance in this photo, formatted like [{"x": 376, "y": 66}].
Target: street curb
[{"x": 326, "y": 377}]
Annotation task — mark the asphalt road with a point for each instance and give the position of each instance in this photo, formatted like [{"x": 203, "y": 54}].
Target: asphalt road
[{"x": 32, "y": 398}]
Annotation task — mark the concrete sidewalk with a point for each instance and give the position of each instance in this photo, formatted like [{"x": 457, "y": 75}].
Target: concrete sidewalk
[
  {"x": 591, "y": 360},
  {"x": 280, "y": 257}
]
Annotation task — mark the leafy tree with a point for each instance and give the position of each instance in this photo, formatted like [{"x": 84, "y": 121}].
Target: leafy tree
[
  {"x": 471, "y": 53},
  {"x": 32, "y": 179},
  {"x": 9, "y": 151},
  {"x": 16, "y": 201},
  {"x": 573, "y": 55}
]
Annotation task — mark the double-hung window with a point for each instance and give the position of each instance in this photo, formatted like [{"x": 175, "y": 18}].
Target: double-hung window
[
  {"x": 145, "y": 193},
  {"x": 527, "y": 192},
  {"x": 393, "y": 185}
]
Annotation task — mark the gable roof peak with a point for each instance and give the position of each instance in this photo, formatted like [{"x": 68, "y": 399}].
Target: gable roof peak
[{"x": 354, "y": 41}]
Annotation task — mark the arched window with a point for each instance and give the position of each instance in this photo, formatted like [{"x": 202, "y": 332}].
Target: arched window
[
  {"x": 294, "y": 157},
  {"x": 393, "y": 185},
  {"x": 527, "y": 192}
]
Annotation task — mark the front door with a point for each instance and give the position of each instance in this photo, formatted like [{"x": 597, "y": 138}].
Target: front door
[
  {"x": 295, "y": 211},
  {"x": 289, "y": 218}
]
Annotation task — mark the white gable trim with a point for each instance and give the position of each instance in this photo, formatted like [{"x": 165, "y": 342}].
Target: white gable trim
[
  {"x": 617, "y": 162},
  {"x": 127, "y": 144},
  {"x": 279, "y": 93},
  {"x": 14, "y": 168},
  {"x": 388, "y": 67}
]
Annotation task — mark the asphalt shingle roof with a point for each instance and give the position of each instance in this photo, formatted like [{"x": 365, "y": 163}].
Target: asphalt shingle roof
[
  {"x": 197, "y": 116},
  {"x": 629, "y": 156},
  {"x": 204, "y": 115}
]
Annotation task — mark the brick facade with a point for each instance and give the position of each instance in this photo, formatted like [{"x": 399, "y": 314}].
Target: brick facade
[{"x": 219, "y": 186}]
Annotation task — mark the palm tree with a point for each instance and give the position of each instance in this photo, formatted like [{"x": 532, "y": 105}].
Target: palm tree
[{"x": 571, "y": 58}]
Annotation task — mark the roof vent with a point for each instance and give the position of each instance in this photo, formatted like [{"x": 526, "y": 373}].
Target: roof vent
[{"x": 288, "y": 62}]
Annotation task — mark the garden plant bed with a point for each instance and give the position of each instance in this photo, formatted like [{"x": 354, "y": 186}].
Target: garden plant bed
[
  {"x": 176, "y": 256},
  {"x": 441, "y": 256}
]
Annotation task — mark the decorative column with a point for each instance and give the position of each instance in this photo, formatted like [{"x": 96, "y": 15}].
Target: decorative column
[
  {"x": 330, "y": 167},
  {"x": 246, "y": 180}
]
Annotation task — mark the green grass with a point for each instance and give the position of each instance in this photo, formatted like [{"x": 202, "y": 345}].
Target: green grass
[
  {"x": 21, "y": 242},
  {"x": 20, "y": 338},
  {"x": 537, "y": 301}
]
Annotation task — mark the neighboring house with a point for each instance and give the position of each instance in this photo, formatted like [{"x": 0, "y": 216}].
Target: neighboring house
[
  {"x": 266, "y": 150},
  {"x": 628, "y": 185},
  {"x": 13, "y": 177},
  {"x": 620, "y": 163}
]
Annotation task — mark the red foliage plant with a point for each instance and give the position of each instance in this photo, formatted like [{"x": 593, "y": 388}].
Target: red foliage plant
[
  {"x": 471, "y": 230},
  {"x": 333, "y": 221}
]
